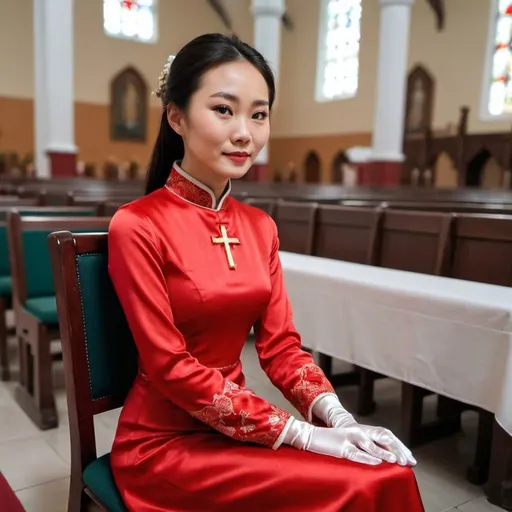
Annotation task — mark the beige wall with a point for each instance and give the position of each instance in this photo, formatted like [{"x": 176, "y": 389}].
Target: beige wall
[
  {"x": 298, "y": 114},
  {"x": 455, "y": 57},
  {"x": 99, "y": 57}
]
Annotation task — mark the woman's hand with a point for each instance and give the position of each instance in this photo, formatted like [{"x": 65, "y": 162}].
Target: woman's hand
[
  {"x": 333, "y": 414},
  {"x": 358, "y": 443}
]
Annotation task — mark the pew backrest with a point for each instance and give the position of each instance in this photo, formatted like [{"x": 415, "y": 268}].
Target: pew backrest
[
  {"x": 482, "y": 248},
  {"x": 296, "y": 226},
  {"x": 267, "y": 205},
  {"x": 347, "y": 233},
  {"x": 414, "y": 241}
]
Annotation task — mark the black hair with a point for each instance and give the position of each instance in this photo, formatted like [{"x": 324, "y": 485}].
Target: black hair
[{"x": 184, "y": 78}]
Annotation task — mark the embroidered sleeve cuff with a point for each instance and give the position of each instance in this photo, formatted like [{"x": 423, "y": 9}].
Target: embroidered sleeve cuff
[
  {"x": 282, "y": 436},
  {"x": 263, "y": 424},
  {"x": 312, "y": 383}
]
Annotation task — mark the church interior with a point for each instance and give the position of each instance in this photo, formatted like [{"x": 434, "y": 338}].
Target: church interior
[{"x": 388, "y": 173}]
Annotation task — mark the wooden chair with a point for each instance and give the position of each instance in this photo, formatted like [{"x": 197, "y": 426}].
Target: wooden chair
[
  {"x": 100, "y": 359},
  {"x": 35, "y": 308},
  {"x": 414, "y": 241},
  {"x": 24, "y": 206},
  {"x": 348, "y": 234},
  {"x": 267, "y": 205},
  {"x": 481, "y": 250},
  {"x": 296, "y": 226},
  {"x": 418, "y": 242}
]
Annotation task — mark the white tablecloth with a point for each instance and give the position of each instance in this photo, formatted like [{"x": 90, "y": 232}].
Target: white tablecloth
[{"x": 450, "y": 336}]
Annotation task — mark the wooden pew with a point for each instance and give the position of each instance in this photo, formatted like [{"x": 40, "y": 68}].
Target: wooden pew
[
  {"x": 267, "y": 205},
  {"x": 6, "y": 204},
  {"x": 35, "y": 309},
  {"x": 417, "y": 242},
  {"x": 100, "y": 360},
  {"x": 296, "y": 225},
  {"x": 347, "y": 234},
  {"x": 482, "y": 251},
  {"x": 100, "y": 203},
  {"x": 60, "y": 192}
]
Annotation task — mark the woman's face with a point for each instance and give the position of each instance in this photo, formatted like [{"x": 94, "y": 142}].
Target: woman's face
[{"x": 226, "y": 124}]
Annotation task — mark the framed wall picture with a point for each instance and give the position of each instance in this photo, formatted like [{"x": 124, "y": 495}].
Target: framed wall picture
[{"x": 128, "y": 106}]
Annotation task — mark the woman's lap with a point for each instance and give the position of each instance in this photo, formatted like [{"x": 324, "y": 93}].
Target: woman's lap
[{"x": 213, "y": 471}]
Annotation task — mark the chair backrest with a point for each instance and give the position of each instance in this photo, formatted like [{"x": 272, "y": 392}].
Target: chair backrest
[
  {"x": 267, "y": 205},
  {"x": 346, "y": 233},
  {"x": 414, "y": 241},
  {"x": 99, "y": 354},
  {"x": 296, "y": 225},
  {"x": 26, "y": 207},
  {"x": 28, "y": 250},
  {"x": 482, "y": 248}
]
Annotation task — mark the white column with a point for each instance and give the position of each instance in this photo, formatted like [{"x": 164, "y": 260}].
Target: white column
[
  {"x": 388, "y": 128},
  {"x": 54, "y": 83},
  {"x": 267, "y": 40}
]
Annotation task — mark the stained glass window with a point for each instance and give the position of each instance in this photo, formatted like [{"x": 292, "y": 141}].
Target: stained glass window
[
  {"x": 338, "y": 53},
  {"x": 131, "y": 19},
  {"x": 500, "y": 91}
]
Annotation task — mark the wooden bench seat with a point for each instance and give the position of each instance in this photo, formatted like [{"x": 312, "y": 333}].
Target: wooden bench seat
[{"x": 35, "y": 307}]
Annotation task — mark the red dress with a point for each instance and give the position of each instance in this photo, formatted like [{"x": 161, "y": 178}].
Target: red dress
[{"x": 191, "y": 436}]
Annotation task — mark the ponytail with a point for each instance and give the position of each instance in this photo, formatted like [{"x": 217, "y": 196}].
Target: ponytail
[{"x": 168, "y": 148}]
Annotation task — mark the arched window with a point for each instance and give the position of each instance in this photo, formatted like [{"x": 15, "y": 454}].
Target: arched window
[
  {"x": 130, "y": 19},
  {"x": 497, "y": 90},
  {"x": 338, "y": 49}
]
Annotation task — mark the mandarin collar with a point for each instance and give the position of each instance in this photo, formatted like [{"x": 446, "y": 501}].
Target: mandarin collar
[{"x": 190, "y": 189}]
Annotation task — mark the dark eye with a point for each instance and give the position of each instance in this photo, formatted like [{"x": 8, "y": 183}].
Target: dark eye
[
  {"x": 260, "y": 116},
  {"x": 223, "y": 110}
]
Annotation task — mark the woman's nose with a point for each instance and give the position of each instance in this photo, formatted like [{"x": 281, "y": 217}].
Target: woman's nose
[{"x": 241, "y": 134}]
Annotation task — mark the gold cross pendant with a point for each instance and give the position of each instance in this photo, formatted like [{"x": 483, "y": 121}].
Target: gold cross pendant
[{"x": 227, "y": 242}]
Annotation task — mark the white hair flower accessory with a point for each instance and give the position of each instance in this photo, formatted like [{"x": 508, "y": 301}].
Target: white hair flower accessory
[{"x": 162, "y": 79}]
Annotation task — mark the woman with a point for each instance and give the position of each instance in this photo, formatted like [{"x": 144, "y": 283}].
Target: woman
[{"x": 194, "y": 271}]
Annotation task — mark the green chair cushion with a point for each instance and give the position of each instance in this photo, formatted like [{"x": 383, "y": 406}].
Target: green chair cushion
[
  {"x": 5, "y": 286},
  {"x": 44, "y": 308},
  {"x": 99, "y": 479}
]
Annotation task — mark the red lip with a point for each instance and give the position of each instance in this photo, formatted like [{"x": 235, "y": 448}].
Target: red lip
[{"x": 238, "y": 154}]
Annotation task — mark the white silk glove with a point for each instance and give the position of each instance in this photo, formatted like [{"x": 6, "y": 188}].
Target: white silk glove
[
  {"x": 334, "y": 415},
  {"x": 344, "y": 443}
]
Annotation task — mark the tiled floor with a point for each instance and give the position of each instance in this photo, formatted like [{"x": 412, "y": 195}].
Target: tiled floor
[{"x": 36, "y": 463}]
